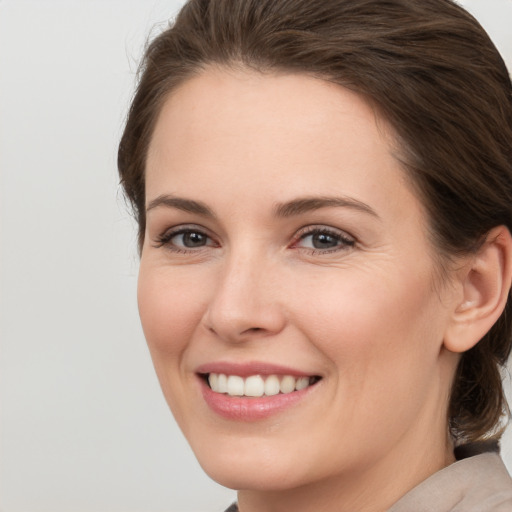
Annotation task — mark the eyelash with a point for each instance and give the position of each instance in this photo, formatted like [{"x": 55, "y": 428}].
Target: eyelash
[
  {"x": 164, "y": 240},
  {"x": 343, "y": 240}
]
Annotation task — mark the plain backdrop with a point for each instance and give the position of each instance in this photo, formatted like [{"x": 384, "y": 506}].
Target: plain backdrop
[{"x": 83, "y": 424}]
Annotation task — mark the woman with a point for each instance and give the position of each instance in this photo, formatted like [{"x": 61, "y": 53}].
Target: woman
[{"x": 323, "y": 197}]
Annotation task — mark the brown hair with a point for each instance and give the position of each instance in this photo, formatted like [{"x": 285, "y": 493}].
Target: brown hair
[{"x": 427, "y": 67}]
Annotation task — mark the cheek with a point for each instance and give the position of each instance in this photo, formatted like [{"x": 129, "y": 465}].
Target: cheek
[
  {"x": 382, "y": 339},
  {"x": 170, "y": 308},
  {"x": 170, "y": 311},
  {"x": 377, "y": 331}
]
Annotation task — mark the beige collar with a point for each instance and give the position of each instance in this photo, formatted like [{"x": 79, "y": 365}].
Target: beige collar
[{"x": 477, "y": 484}]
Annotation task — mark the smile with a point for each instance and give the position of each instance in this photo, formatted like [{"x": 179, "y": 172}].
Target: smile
[{"x": 256, "y": 386}]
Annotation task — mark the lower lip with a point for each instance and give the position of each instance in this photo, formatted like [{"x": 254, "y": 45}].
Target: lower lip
[{"x": 248, "y": 408}]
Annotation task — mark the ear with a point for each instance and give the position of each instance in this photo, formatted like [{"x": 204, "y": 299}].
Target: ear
[{"x": 485, "y": 283}]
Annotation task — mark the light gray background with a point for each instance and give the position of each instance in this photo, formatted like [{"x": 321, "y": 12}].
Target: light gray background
[{"x": 83, "y": 425}]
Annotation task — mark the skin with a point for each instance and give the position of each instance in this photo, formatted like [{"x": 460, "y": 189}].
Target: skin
[{"x": 369, "y": 316}]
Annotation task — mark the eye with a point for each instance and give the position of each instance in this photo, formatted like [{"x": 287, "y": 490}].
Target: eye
[
  {"x": 190, "y": 239},
  {"x": 324, "y": 240},
  {"x": 184, "y": 239}
]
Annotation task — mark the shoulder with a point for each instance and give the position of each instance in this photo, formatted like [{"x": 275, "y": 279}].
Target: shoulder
[{"x": 477, "y": 483}]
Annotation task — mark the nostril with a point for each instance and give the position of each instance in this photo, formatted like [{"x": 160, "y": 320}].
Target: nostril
[{"x": 235, "y": 324}]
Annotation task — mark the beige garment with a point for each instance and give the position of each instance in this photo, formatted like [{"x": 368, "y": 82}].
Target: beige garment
[{"x": 477, "y": 484}]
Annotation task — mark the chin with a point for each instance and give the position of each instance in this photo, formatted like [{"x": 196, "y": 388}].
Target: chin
[
  {"x": 253, "y": 468},
  {"x": 249, "y": 477}
]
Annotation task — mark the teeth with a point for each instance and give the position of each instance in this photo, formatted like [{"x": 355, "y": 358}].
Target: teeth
[
  {"x": 302, "y": 383},
  {"x": 213, "y": 380},
  {"x": 235, "y": 385},
  {"x": 272, "y": 385},
  {"x": 222, "y": 385},
  {"x": 287, "y": 384},
  {"x": 256, "y": 385}
]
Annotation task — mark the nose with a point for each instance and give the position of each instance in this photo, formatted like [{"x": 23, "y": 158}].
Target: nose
[{"x": 244, "y": 304}]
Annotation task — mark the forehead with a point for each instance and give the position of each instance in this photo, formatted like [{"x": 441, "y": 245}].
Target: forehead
[
  {"x": 295, "y": 104},
  {"x": 275, "y": 134}
]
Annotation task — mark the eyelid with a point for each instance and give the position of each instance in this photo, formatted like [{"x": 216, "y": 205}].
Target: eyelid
[
  {"x": 322, "y": 228},
  {"x": 164, "y": 238},
  {"x": 345, "y": 238}
]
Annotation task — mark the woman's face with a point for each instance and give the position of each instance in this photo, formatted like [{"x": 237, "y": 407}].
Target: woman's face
[{"x": 284, "y": 250}]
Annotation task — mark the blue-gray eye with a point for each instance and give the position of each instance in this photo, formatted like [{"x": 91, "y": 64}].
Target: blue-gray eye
[
  {"x": 322, "y": 239},
  {"x": 189, "y": 239}
]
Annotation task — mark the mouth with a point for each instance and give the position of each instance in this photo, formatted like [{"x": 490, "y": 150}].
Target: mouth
[
  {"x": 257, "y": 386},
  {"x": 254, "y": 390}
]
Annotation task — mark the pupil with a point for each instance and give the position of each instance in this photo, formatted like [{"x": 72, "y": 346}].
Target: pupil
[
  {"x": 194, "y": 239},
  {"x": 323, "y": 241}
]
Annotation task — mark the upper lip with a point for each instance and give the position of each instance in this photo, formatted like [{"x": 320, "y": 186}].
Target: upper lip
[{"x": 251, "y": 368}]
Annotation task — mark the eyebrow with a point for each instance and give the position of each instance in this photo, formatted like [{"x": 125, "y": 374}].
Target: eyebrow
[
  {"x": 186, "y": 205},
  {"x": 288, "y": 209},
  {"x": 308, "y": 204}
]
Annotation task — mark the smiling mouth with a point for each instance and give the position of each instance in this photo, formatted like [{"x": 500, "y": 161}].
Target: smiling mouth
[{"x": 255, "y": 386}]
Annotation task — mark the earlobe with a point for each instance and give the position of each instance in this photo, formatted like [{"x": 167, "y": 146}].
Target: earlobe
[{"x": 485, "y": 283}]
